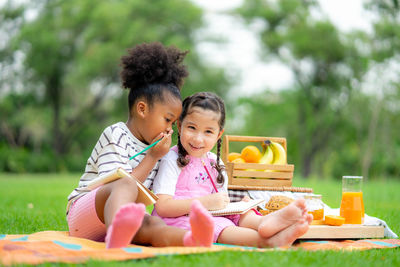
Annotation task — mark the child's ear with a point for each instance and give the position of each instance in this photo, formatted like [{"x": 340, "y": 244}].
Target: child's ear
[
  {"x": 141, "y": 108},
  {"x": 220, "y": 133}
]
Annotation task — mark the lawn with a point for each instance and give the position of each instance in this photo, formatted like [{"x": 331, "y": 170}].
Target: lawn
[{"x": 32, "y": 203}]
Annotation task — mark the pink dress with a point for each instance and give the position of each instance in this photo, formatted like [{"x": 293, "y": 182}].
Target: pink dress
[{"x": 194, "y": 182}]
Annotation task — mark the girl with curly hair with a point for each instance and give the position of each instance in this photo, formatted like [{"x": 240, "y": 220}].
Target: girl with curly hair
[{"x": 153, "y": 74}]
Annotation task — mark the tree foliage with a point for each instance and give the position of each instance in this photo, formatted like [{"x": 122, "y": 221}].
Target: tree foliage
[
  {"x": 64, "y": 56},
  {"x": 330, "y": 123},
  {"x": 59, "y": 80},
  {"x": 324, "y": 64}
]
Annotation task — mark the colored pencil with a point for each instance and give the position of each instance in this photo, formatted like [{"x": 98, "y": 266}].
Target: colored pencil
[
  {"x": 209, "y": 175},
  {"x": 147, "y": 148}
]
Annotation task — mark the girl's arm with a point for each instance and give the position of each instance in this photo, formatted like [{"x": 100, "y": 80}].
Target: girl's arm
[
  {"x": 167, "y": 206},
  {"x": 143, "y": 169}
]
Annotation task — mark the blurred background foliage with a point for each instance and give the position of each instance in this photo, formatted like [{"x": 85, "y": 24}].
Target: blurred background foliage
[{"x": 60, "y": 87}]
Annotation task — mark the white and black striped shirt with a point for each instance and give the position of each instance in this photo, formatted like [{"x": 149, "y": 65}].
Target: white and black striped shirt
[{"x": 113, "y": 150}]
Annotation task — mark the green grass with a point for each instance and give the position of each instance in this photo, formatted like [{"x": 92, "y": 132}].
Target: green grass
[{"x": 32, "y": 203}]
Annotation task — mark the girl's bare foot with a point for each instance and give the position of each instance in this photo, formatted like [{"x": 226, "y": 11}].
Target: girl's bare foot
[
  {"x": 125, "y": 224},
  {"x": 202, "y": 227},
  {"x": 283, "y": 218},
  {"x": 287, "y": 236}
]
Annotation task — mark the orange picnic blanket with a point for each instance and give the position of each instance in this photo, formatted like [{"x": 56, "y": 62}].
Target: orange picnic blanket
[{"x": 56, "y": 246}]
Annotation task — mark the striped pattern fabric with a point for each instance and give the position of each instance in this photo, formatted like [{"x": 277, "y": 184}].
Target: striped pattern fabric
[
  {"x": 237, "y": 195},
  {"x": 113, "y": 150}
]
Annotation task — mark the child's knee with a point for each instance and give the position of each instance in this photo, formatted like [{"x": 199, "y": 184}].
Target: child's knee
[{"x": 125, "y": 184}]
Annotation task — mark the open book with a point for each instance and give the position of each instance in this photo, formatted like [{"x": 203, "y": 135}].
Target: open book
[
  {"x": 145, "y": 196},
  {"x": 237, "y": 207}
]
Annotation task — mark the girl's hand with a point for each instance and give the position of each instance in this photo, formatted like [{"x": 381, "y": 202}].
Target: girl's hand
[
  {"x": 246, "y": 199},
  {"x": 215, "y": 201},
  {"x": 162, "y": 147}
]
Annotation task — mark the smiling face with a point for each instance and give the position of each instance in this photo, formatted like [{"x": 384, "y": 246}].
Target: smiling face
[{"x": 199, "y": 131}]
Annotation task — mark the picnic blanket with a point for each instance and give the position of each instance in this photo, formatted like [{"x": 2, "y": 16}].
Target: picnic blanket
[{"x": 57, "y": 246}]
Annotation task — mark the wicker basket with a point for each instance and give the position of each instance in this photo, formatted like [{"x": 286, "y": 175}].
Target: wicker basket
[{"x": 279, "y": 178}]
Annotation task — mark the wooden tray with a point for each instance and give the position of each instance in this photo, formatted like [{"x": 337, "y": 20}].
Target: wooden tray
[{"x": 345, "y": 231}]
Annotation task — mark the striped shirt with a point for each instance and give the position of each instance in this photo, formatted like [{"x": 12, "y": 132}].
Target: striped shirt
[{"x": 113, "y": 150}]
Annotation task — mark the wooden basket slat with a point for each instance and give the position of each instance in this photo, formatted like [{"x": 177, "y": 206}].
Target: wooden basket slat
[
  {"x": 260, "y": 182},
  {"x": 239, "y": 138},
  {"x": 258, "y": 166},
  {"x": 261, "y": 174},
  {"x": 271, "y": 188}
]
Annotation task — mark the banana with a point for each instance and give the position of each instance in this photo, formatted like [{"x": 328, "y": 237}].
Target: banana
[
  {"x": 267, "y": 154},
  {"x": 279, "y": 153}
]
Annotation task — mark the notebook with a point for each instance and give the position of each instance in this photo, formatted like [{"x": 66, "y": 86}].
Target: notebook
[
  {"x": 145, "y": 195},
  {"x": 237, "y": 207}
]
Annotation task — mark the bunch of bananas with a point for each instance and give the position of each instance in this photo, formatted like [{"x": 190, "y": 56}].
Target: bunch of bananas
[{"x": 273, "y": 153}]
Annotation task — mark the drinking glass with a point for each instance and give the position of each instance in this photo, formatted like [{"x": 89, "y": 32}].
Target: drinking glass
[{"x": 352, "y": 205}]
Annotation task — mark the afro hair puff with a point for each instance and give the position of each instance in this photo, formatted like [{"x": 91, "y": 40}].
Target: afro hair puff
[{"x": 153, "y": 63}]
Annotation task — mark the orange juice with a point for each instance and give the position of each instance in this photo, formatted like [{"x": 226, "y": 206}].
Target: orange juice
[
  {"x": 317, "y": 214},
  {"x": 352, "y": 207}
]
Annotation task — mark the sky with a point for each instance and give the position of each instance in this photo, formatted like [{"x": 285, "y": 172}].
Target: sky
[{"x": 240, "y": 54}]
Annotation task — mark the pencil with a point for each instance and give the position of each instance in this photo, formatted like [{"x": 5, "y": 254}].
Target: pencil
[
  {"x": 215, "y": 188},
  {"x": 147, "y": 148}
]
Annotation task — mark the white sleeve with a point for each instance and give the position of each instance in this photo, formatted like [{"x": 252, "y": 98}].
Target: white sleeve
[{"x": 167, "y": 175}]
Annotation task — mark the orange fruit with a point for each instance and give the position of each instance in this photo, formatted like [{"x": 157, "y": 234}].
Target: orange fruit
[
  {"x": 233, "y": 155},
  {"x": 317, "y": 214},
  {"x": 239, "y": 160},
  {"x": 251, "y": 154},
  {"x": 334, "y": 220}
]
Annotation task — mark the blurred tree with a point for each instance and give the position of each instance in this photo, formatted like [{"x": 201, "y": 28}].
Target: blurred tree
[
  {"x": 382, "y": 143},
  {"x": 65, "y": 54},
  {"x": 325, "y": 63}
]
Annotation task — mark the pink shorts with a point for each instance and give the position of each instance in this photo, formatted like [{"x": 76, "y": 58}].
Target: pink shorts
[
  {"x": 220, "y": 223},
  {"x": 83, "y": 221}
]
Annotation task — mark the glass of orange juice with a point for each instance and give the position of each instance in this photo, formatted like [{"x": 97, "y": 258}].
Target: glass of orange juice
[{"x": 352, "y": 206}]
